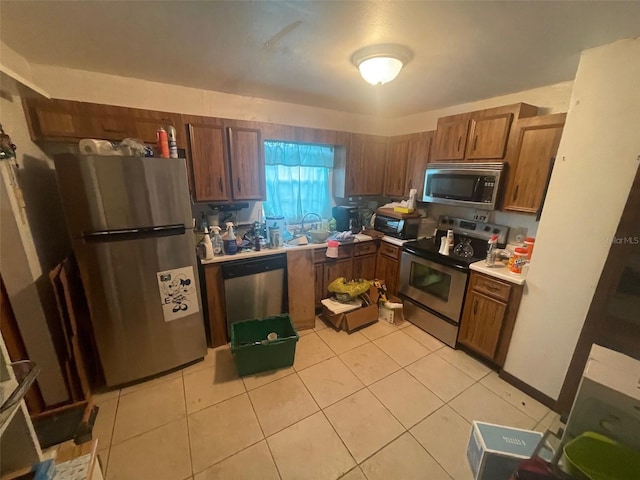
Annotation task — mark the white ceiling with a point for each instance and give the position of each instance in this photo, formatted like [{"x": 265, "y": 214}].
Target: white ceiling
[{"x": 300, "y": 52}]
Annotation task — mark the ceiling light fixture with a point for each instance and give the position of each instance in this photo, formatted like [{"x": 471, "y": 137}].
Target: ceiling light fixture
[{"x": 379, "y": 64}]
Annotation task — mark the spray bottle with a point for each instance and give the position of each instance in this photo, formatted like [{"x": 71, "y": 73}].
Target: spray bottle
[
  {"x": 230, "y": 244},
  {"x": 491, "y": 251},
  {"x": 217, "y": 241},
  {"x": 208, "y": 247}
]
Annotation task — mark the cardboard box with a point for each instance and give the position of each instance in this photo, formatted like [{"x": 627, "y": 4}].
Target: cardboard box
[
  {"x": 494, "y": 451},
  {"x": 391, "y": 315},
  {"x": 608, "y": 398},
  {"x": 349, "y": 321}
]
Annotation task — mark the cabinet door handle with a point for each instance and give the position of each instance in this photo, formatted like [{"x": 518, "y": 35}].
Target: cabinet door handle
[
  {"x": 220, "y": 184},
  {"x": 515, "y": 192},
  {"x": 475, "y": 307},
  {"x": 238, "y": 183},
  {"x": 475, "y": 143},
  {"x": 459, "y": 142}
]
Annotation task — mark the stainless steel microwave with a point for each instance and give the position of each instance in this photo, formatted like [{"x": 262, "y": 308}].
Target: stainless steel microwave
[{"x": 473, "y": 185}]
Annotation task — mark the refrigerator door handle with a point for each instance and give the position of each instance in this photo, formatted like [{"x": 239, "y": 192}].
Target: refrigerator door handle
[{"x": 132, "y": 233}]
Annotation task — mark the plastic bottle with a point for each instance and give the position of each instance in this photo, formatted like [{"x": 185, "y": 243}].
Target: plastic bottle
[
  {"x": 274, "y": 233},
  {"x": 218, "y": 245},
  {"x": 173, "y": 146},
  {"x": 450, "y": 239},
  {"x": 230, "y": 244},
  {"x": 163, "y": 142},
  {"x": 529, "y": 243},
  {"x": 491, "y": 250},
  {"x": 208, "y": 246},
  {"x": 517, "y": 260}
]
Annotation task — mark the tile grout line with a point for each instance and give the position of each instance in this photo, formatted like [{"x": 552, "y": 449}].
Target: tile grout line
[
  {"x": 264, "y": 437},
  {"x": 186, "y": 419},
  {"x": 329, "y": 422},
  {"x": 428, "y": 453}
]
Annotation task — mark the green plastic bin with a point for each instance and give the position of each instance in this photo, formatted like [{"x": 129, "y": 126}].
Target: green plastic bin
[
  {"x": 596, "y": 457},
  {"x": 253, "y": 353}
]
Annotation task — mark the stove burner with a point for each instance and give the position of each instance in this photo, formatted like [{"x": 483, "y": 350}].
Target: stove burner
[{"x": 464, "y": 249}]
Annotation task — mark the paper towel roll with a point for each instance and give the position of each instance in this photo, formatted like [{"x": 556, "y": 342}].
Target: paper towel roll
[{"x": 91, "y": 146}]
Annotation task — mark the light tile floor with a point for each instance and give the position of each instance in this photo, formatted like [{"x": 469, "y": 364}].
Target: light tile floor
[{"x": 389, "y": 401}]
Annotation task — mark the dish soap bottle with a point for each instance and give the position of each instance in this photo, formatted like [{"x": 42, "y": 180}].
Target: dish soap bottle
[
  {"x": 230, "y": 244},
  {"x": 217, "y": 241},
  {"x": 208, "y": 247}
]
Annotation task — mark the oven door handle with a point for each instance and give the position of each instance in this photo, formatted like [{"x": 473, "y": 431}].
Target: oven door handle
[{"x": 411, "y": 251}]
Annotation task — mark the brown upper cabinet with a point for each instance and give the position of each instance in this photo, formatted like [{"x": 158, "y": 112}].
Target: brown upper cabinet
[
  {"x": 226, "y": 162},
  {"x": 406, "y": 163},
  {"x": 451, "y": 138},
  {"x": 397, "y": 159},
  {"x": 536, "y": 144},
  {"x": 488, "y": 136},
  {"x": 360, "y": 169},
  {"x": 480, "y": 135},
  {"x": 69, "y": 121}
]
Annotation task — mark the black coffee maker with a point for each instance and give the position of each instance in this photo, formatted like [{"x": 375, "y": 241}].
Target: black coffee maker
[{"x": 347, "y": 218}]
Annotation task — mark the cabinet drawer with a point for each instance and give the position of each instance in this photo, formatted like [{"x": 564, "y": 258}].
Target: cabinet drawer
[
  {"x": 345, "y": 251},
  {"x": 364, "y": 248},
  {"x": 319, "y": 255},
  {"x": 492, "y": 287},
  {"x": 390, "y": 250}
]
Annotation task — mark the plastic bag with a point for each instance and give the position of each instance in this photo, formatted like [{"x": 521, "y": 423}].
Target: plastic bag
[{"x": 352, "y": 288}]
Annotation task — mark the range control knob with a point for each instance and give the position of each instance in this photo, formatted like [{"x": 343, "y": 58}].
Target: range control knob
[
  {"x": 487, "y": 228},
  {"x": 496, "y": 230}
]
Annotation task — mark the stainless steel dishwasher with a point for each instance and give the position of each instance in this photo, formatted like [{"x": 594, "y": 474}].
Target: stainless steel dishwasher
[{"x": 254, "y": 288}]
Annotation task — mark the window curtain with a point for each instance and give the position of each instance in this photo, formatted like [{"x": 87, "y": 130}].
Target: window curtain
[{"x": 297, "y": 178}]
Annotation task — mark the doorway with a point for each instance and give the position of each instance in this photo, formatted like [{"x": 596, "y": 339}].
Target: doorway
[{"x": 612, "y": 320}]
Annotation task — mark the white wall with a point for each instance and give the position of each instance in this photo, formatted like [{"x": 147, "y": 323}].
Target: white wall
[
  {"x": 71, "y": 84},
  {"x": 597, "y": 160},
  {"x": 80, "y": 85}
]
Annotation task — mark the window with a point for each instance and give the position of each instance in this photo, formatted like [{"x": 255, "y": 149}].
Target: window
[{"x": 297, "y": 177}]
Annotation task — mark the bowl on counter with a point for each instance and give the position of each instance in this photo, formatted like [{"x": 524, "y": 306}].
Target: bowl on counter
[{"x": 318, "y": 236}]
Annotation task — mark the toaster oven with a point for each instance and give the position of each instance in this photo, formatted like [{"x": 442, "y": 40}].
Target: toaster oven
[{"x": 402, "y": 228}]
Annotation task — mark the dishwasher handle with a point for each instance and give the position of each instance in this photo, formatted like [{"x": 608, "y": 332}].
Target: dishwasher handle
[{"x": 253, "y": 266}]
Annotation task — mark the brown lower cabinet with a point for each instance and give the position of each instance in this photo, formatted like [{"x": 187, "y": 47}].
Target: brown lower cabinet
[
  {"x": 388, "y": 265},
  {"x": 216, "y": 306},
  {"x": 489, "y": 316}
]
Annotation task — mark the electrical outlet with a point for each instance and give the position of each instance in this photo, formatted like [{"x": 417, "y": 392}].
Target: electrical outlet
[{"x": 520, "y": 234}]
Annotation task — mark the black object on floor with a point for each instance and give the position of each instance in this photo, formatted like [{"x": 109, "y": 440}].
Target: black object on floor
[{"x": 62, "y": 425}]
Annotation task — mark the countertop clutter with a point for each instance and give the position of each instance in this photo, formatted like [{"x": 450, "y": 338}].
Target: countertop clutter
[
  {"x": 501, "y": 271},
  {"x": 274, "y": 251}
]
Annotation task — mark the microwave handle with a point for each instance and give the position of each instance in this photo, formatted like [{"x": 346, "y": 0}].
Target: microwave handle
[{"x": 475, "y": 187}]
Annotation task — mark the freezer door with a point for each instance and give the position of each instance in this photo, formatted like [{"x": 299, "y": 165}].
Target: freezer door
[
  {"x": 145, "y": 306},
  {"x": 101, "y": 193}
]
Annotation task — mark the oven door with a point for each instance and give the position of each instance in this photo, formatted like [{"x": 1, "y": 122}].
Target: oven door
[{"x": 438, "y": 287}]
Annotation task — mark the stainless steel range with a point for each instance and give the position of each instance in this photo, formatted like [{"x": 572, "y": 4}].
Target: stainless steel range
[{"x": 432, "y": 285}]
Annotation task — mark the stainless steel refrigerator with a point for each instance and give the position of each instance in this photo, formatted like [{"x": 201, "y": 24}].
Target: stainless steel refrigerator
[{"x": 129, "y": 219}]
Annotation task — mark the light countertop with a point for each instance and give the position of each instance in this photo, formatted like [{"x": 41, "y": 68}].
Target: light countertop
[
  {"x": 501, "y": 272},
  {"x": 275, "y": 251}
]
